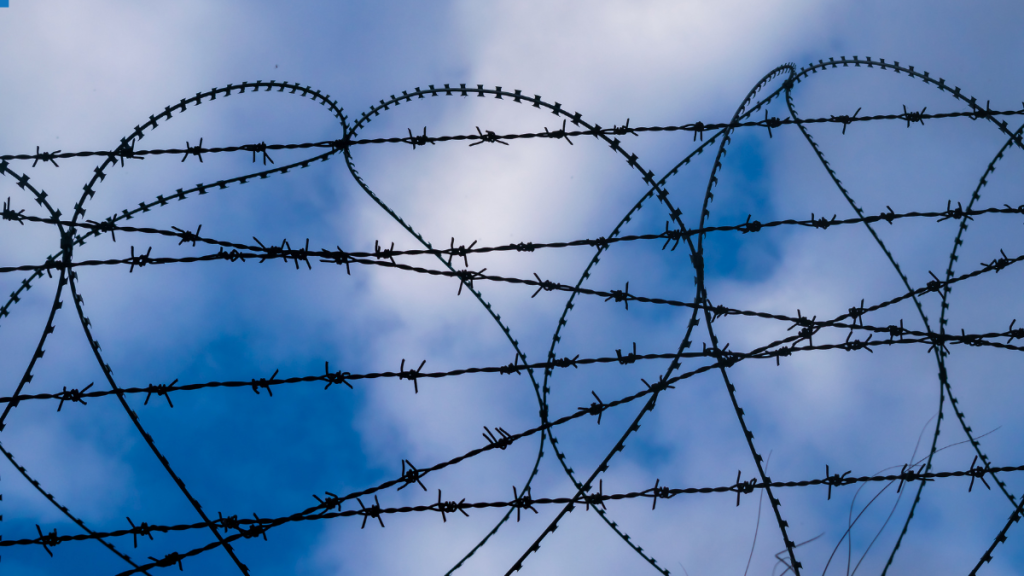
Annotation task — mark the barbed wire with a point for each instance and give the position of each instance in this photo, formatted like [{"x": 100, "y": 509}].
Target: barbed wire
[
  {"x": 520, "y": 502},
  {"x": 697, "y": 128},
  {"x": 797, "y": 338}
]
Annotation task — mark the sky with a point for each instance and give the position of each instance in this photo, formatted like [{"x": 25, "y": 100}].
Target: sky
[{"x": 82, "y": 76}]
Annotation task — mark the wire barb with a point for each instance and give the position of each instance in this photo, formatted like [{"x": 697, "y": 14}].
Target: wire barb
[
  {"x": 404, "y": 374},
  {"x": 261, "y": 148},
  {"x": 46, "y": 157},
  {"x": 487, "y": 137},
  {"x": 196, "y": 150},
  {"x": 845, "y": 120}
]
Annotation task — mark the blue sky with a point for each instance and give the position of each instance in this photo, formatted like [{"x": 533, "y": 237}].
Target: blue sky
[{"x": 81, "y": 77}]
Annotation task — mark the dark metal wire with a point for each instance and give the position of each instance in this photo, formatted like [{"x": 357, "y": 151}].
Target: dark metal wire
[{"x": 77, "y": 230}]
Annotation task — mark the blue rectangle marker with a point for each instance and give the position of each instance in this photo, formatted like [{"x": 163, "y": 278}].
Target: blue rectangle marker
[{"x": 3, "y": 4}]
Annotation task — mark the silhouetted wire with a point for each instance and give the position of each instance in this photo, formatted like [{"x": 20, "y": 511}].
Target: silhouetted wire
[
  {"x": 719, "y": 357},
  {"x": 414, "y": 140}
]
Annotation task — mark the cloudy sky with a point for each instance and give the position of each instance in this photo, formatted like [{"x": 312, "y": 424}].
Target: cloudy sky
[{"x": 82, "y": 76}]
